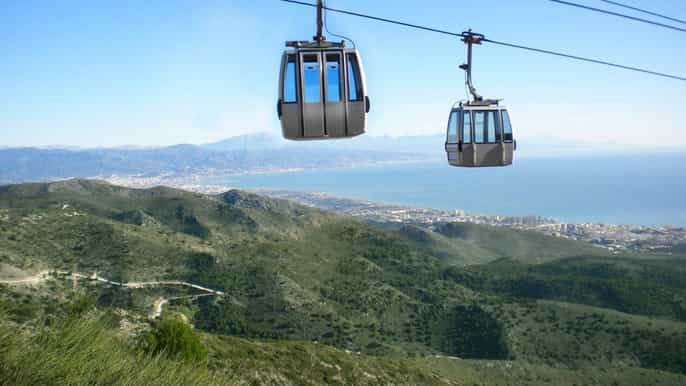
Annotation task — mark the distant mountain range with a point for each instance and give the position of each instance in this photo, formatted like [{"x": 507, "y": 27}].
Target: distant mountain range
[
  {"x": 257, "y": 141},
  {"x": 427, "y": 144},
  {"x": 255, "y": 152},
  {"x": 263, "y": 151},
  {"x": 433, "y": 145}
]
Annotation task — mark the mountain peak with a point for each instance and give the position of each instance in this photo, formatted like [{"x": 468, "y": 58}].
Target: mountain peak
[
  {"x": 244, "y": 199},
  {"x": 261, "y": 140}
]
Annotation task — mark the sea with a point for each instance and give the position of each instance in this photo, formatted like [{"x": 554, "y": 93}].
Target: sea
[{"x": 636, "y": 189}]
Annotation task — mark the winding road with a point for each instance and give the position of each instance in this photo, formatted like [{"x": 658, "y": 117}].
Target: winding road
[
  {"x": 34, "y": 279},
  {"x": 158, "y": 304}
]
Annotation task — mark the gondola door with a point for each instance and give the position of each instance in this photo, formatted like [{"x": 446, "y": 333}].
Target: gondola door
[
  {"x": 312, "y": 104},
  {"x": 466, "y": 153},
  {"x": 334, "y": 104},
  {"x": 487, "y": 139}
]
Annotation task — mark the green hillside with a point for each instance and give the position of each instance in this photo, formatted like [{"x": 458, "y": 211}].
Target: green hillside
[
  {"x": 653, "y": 287},
  {"x": 524, "y": 246},
  {"x": 466, "y": 244},
  {"x": 305, "y": 287}
]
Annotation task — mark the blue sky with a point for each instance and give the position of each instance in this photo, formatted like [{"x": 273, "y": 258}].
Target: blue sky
[{"x": 111, "y": 73}]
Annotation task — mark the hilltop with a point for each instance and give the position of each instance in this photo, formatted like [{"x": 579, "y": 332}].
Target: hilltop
[{"x": 304, "y": 287}]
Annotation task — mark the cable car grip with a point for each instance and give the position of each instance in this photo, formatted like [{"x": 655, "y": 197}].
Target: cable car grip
[
  {"x": 470, "y": 38},
  {"x": 319, "y": 38}
]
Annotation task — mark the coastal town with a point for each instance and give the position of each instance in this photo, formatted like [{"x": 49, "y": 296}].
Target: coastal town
[
  {"x": 614, "y": 237},
  {"x": 617, "y": 238}
]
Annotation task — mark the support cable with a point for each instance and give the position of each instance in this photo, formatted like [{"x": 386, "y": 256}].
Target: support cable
[
  {"x": 586, "y": 7},
  {"x": 644, "y": 11},
  {"x": 463, "y": 35}
]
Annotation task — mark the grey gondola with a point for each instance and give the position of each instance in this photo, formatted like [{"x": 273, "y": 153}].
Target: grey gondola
[
  {"x": 479, "y": 131},
  {"x": 322, "y": 92},
  {"x": 479, "y": 135}
]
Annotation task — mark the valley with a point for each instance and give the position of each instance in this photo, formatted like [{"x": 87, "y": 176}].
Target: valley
[{"x": 345, "y": 301}]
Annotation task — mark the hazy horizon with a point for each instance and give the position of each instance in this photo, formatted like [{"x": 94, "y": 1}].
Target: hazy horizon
[{"x": 549, "y": 145}]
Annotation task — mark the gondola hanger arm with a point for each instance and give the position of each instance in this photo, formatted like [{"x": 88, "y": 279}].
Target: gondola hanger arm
[{"x": 320, "y": 38}]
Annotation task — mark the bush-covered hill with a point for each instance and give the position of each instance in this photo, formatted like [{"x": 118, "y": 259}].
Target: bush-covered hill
[
  {"x": 296, "y": 274},
  {"x": 654, "y": 287},
  {"x": 464, "y": 243}
]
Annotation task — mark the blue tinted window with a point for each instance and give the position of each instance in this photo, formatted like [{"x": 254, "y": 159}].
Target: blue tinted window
[
  {"x": 507, "y": 126},
  {"x": 290, "y": 93},
  {"x": 479, "y": 118},
  {"x": 490, "y": 126},
  {"x": 466, "y": 128},
  {"x": 354, "y": 79},
  {"x": 452, "y": 127},
  {"x": 484, "y": 126},
  {"x": 311, "y": 79},
  {"x": 333, "y": 78}
]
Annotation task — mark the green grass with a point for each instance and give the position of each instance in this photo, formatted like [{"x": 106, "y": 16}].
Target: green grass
[
  {"x": 86, "y": 351},
  {"x": 89, "y": 350}
]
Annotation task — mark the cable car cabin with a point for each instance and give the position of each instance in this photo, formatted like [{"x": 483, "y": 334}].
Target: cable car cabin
[
  {"x": 479, "y": 135},
  {"x": 322, "y": 92}
]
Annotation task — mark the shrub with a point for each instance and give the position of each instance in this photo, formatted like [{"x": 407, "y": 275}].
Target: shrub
[
  {"x": 80, "y": 304},
  {"x": 174, "y": 338}
]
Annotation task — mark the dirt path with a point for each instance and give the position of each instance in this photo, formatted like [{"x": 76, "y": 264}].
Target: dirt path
[
  {"x": 160, "y": 302},
  {"x": 34, "y": 279},
  {"x": 157, "y": 306},
  {"x": 170, "y": 283}
]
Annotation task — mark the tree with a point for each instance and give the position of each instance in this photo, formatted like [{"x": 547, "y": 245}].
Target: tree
[{"x": 175, "y": 338}]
